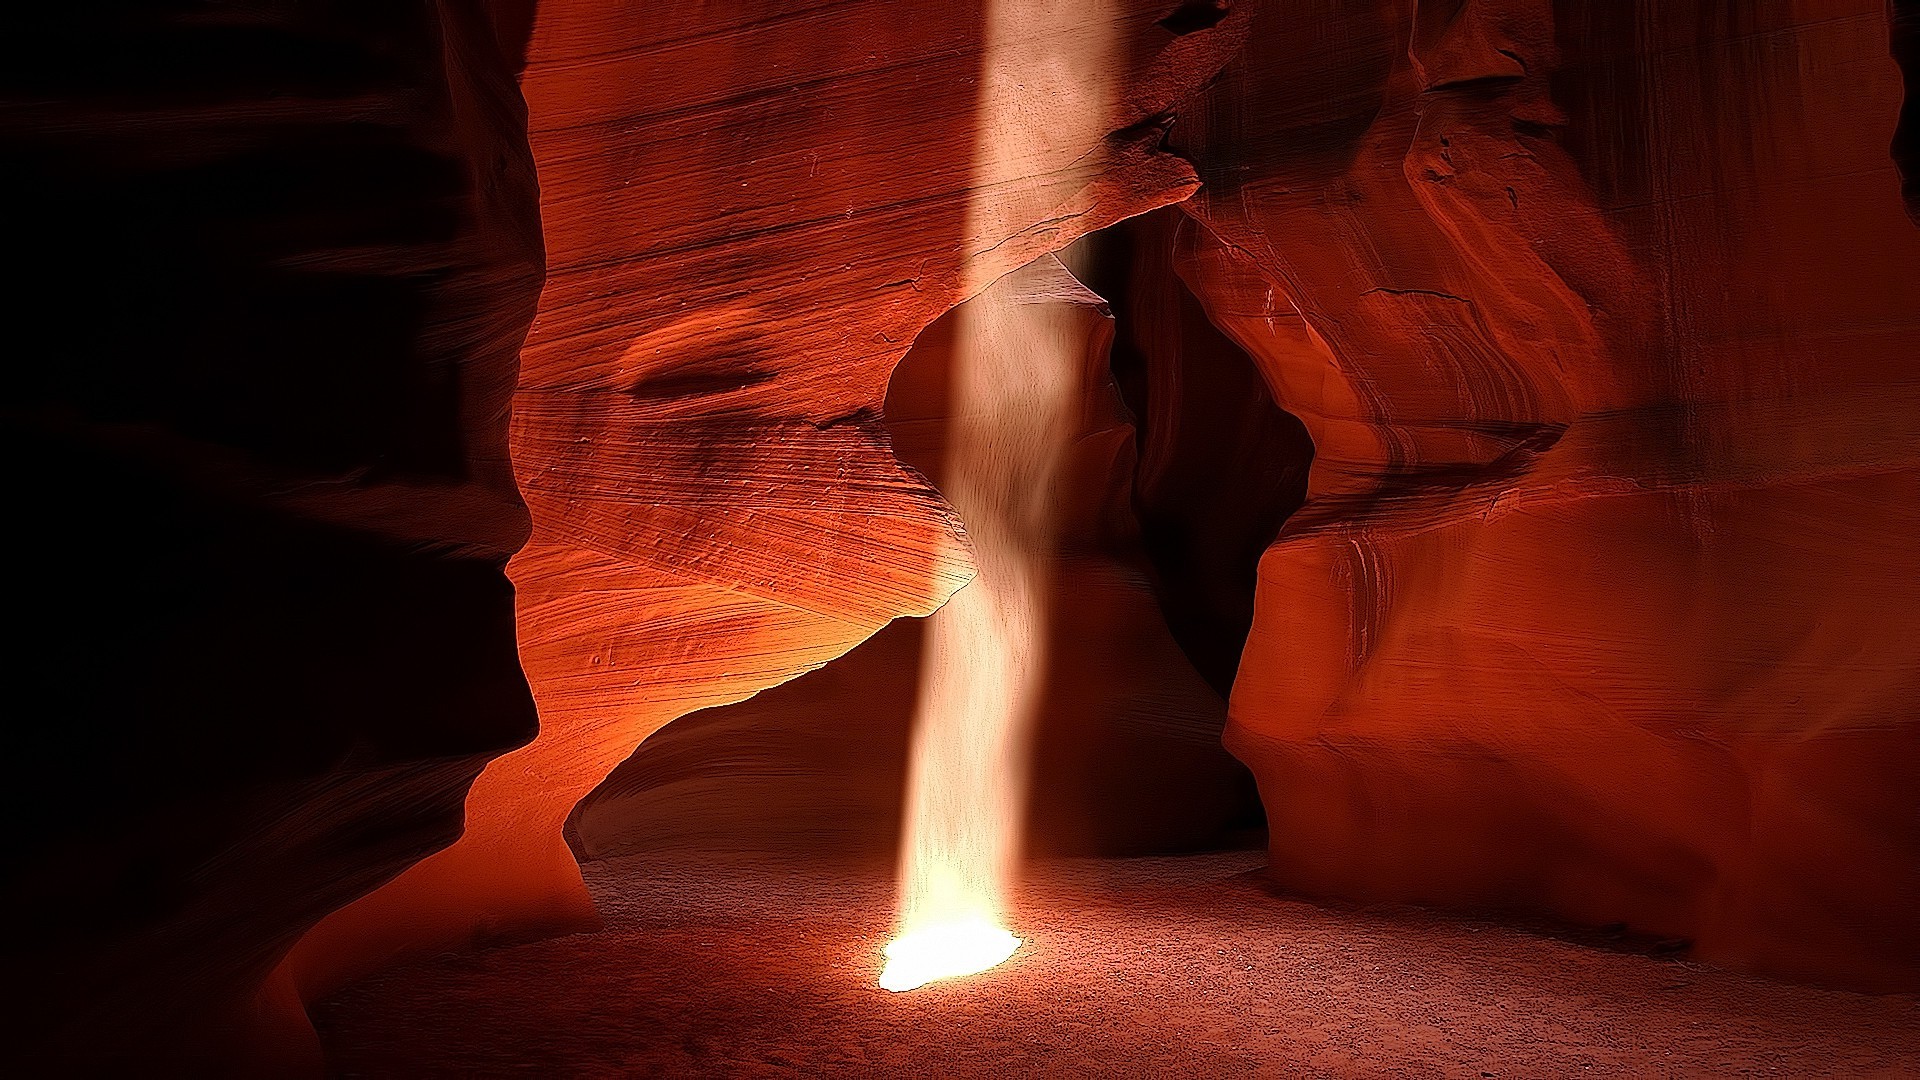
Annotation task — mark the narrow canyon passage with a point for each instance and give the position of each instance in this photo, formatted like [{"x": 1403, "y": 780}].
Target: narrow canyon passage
[
  {"x": 1365, "y": 537},
  {"x": 1173, "y": 967}
]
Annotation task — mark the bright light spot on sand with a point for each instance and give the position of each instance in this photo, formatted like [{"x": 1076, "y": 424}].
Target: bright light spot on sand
[
  {"x": 984, "y": 653},
  {"x": 1015, "y": 381},
  {"x": 943, "y": 951}
]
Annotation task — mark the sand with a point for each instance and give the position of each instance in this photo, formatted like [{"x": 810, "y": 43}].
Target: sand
[{"x": 1178, "y": 967}]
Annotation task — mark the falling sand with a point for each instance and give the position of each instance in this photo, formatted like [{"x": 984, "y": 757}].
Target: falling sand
[
  {"x": 984, "y": 658},
  {"x": 1014, "y": 387}
]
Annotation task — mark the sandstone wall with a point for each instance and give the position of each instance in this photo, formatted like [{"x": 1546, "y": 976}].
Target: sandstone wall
[{"x": 1602, "y": 317}]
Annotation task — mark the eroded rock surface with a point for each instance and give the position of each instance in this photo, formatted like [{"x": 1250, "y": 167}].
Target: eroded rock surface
[
  {"x": 1600, "y": 324},
  {"x": 1602, "y": 600},
  {"x": 1221, "y": 465},
  {"x": 751, "y": 212},
  {"x": 1125, "y": 755},
  {"x": 1601, "y": 319}
]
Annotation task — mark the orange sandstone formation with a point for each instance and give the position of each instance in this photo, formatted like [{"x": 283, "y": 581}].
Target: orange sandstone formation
[
  {"x": 1602, "y": 601},
  {"x": 1600, "y": 314},
  {"x": 1124, "y": 756},
  {"x": 750, "y": 215}
]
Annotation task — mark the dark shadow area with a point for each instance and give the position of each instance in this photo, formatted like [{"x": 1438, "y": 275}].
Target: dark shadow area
[
  {"x": 1196, "y": 15},
  {"x": 251, "y": 682},
  {"x": 1904, "y": 31},
  {"x": 1221, "y": 465}
]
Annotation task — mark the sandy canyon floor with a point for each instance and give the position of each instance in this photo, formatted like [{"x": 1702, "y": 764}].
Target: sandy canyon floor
[{"x": 1187, "y": 967}]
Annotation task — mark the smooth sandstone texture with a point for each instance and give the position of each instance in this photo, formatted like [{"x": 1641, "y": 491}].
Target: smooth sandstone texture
[
  {"x": 751, "y": 213},
  {"x": 1124, "y": 756},
  {"x": 273, "y": 267},
  {"x": 1603, "y": 601},
  {"x": 1600, "y": 315}
]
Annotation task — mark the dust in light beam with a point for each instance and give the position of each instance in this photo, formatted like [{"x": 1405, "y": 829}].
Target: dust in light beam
[{"x": 1043, "y": 87}]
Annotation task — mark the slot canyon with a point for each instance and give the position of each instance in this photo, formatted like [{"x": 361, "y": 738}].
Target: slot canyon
[{"x": 1130, "y": 538}]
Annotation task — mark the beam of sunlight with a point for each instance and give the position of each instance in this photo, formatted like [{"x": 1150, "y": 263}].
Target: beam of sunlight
[{"x": 1015, "y": 383}]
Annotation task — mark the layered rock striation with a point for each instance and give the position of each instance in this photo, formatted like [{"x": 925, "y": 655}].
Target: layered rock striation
[
  {"x": 1124, "y": 756},
  {"x": 1600, "y": 317},
  {"x": 1601, "y": 603},
  {"x": 751, "y": 213}
]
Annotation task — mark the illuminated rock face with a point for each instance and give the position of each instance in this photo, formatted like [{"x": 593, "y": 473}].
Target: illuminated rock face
[
  {"x": 751, "y": 212},
  {"x": 1600, "y": 316},
  {"x": 273, "y": 269},
  {"x": 1597, "y": 322},
  {"x": 1602, "y": 603},
  {"x": 1124, "y": 754}
]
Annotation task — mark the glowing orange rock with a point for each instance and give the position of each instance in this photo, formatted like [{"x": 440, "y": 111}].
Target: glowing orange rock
[
  {"x": 1124, "y": 751},
  {"x": 749, "y": 218},
  {"x": 1602, "y": 603}
]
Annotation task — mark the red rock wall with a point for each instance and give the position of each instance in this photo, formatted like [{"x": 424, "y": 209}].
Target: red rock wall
[
  {"x": 273, "y": 265},
  {"x": 1125, "y": 756},
  {"x": 1602, "y": 317},
  {"x": 751, "y": 211},
  {"x": 1596, "y": 314}
]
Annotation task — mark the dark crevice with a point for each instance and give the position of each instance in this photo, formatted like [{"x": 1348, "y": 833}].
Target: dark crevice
[
  {"x": 700, "y": 380},
  {"x": 1157, "y": 128},
  {"x": 864, "y": 416},
  {"x": 1221, "y": 465},
  {"x": 1197, "y": 15},
  {"x": 1904, "y": 31}
]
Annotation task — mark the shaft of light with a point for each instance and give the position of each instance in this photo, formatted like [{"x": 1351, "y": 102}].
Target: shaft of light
[
  {"x": 983, "y": 659},
  {"x": 1015, "y": 384}
]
